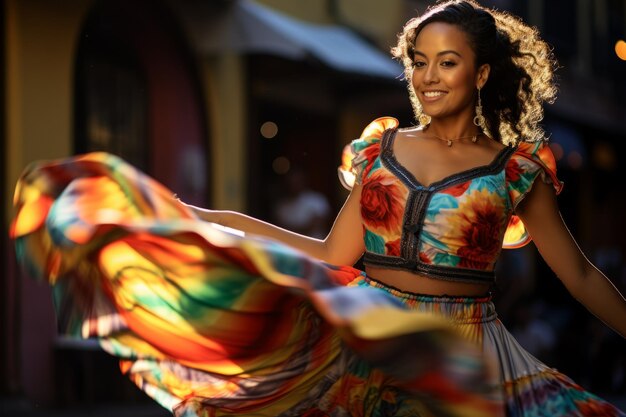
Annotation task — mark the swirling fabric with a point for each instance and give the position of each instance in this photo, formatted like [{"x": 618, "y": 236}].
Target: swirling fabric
[{"x": 210, "y": 323}]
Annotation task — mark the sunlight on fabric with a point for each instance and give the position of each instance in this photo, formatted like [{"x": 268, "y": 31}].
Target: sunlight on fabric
[
  {"x": 516, "y": 235},
  {"x": 222, "y": 234},
  {"x": 105, "y": 324},
  {"x": 346, "y": 176}
]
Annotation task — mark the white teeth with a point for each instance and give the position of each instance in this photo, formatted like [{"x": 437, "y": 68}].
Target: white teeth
[{"x": 433, "y": 93}]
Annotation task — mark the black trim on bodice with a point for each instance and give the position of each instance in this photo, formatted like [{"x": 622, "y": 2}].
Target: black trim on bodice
[{"x": 415, "y": 211}]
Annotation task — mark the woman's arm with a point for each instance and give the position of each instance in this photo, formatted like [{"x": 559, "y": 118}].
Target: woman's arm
[
  {"x": 343, "y": 245},
  {"x": 540, "y": 214}
]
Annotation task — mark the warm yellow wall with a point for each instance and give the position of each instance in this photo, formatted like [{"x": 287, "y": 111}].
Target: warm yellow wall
[
  {"x": 379, "y": 20},
  {"x": 224, "y": 81},
  {"x": 40, "y": 45}
]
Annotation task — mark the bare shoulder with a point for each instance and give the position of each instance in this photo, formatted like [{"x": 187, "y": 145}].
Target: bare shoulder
[
  {"x": 489, "y": 148},
  {"x": 493, "y": 144},
  {"x": 410, "y": 131}
]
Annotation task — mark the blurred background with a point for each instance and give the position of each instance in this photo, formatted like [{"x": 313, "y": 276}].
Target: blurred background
[{"x": 243, "y": 105}]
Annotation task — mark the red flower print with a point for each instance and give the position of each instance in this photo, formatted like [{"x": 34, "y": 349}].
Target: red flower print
[
  {"x": 457, "y": 190},
  {"x": 382, "y": 200},
  {"x": 393, "y": 248},
  {"x": 370, "y": 154},
  {"x": 473, "y": 230},
  {"x": 481, "y": 235},
  {"x": 594, "y": 407},
  {"x": 424, "y": 258},
  {"x": 513, "y": 170},
  {"x": 472, "y": 264}
]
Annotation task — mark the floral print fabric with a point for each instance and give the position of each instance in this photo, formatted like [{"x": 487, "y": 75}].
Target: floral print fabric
[{"x": 462, "y": 221}]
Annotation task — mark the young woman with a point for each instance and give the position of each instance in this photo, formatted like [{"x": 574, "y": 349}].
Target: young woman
[{"x": 213, "y": 324}]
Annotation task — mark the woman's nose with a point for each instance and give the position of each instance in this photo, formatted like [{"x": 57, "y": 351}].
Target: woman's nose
[{"x": 431, "y": 74}]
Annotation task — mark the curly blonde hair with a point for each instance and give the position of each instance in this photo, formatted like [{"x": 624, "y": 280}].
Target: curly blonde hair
[{"x": 522, "y": 66}]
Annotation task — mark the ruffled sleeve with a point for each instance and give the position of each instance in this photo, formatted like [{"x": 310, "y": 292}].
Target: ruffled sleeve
[
  {"x": 530, "y": 161},
  {"x": 359, "y": 156}
]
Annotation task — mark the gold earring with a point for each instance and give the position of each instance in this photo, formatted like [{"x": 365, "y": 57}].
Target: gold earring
[
  {"x": 423, "y": 119},
  {"x": 479, "y": 119}
]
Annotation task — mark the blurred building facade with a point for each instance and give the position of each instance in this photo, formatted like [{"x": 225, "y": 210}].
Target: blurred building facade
[{"x": 220, "y": 99}]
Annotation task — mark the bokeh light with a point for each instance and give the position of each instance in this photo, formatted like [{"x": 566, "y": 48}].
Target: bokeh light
[
  {"x": 281, "y": 165},
  {"x": 269, "y": 130},
  {"x": 575, "y": 160},
  {"x": 557, "y": 150},
  {"x": 620, "y": 49},
  {"x": 604, "y": 156}
]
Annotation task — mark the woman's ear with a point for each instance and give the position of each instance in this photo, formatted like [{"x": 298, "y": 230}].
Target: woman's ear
[{"x": 482, "y": 75}]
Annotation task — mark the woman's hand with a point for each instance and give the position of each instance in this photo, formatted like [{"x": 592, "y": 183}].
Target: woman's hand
[{"x": 211, "y": 216}]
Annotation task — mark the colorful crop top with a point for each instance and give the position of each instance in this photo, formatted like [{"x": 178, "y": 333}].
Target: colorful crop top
[{"x": 453, "y": 229}]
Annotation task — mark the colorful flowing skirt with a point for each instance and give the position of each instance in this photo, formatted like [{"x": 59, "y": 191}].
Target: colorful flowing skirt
[
  {"x": 531, "y": 389},
  {"x": 210, "y": 323}
]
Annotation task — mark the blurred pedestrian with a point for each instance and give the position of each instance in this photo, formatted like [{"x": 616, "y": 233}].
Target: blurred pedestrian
[{"x": 301, "y": 209}]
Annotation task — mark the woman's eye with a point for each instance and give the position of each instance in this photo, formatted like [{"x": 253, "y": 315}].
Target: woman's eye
[
  {"x": 418, "y": 64},
  {"x": 448, "y": 63}
]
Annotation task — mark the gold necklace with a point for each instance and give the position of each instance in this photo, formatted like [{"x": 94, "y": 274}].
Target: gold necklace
[{"x": 451, "y": 140}]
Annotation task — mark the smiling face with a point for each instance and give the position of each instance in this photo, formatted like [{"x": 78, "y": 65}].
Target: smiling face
[{"x": 445, "y": 76}]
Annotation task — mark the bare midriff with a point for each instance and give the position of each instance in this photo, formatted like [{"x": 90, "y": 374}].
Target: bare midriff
[{"x": 421, "y": 284}]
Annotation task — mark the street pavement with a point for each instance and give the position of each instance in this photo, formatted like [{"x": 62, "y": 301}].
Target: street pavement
[{"x": 17, "y": 408}]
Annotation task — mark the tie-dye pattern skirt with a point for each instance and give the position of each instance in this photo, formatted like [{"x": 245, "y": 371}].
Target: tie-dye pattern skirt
[{"x": 210, "y": 323}]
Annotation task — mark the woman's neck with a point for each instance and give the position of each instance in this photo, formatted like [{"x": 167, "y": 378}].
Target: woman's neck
[{"x": 452, "y": 129}]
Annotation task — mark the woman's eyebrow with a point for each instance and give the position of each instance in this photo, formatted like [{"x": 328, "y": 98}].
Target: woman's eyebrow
[{"x": 450, "y": 51}]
